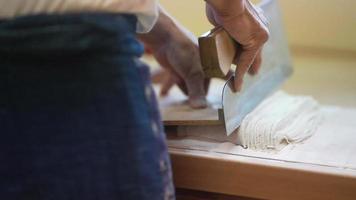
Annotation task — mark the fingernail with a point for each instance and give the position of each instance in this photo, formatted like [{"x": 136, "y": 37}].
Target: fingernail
[{"x": 198, "y": 102}]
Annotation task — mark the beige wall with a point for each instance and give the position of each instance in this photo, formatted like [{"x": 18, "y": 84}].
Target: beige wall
[{"x": 318, "y": 23}]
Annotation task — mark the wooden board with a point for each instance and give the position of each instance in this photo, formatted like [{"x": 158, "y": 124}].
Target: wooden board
[
  {"x": 176, "y": 111},
  {"x": 259, "y": 178},
  {"x": 322, "y": 167},
  {"x": 220, "y": 172}
]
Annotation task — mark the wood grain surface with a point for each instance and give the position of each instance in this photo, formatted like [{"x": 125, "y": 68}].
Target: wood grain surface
[
  {"x": 330, "y": 79},
  {"x": 258, "y": 178}
]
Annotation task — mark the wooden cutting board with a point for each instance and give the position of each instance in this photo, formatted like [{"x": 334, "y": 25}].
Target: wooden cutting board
[{"x": 175, "y": 110}]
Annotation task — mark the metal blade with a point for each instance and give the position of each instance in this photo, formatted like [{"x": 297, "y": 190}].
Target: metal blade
[{"x": 275, "y": 69}]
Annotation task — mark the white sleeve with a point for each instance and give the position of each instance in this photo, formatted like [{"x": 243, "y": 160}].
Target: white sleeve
[{"x": 146, "y": 20}]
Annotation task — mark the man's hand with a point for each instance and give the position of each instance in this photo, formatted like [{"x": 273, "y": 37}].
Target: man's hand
[
  {"x": 177, "y": 51},
  {"x": 247, "y": 26}
]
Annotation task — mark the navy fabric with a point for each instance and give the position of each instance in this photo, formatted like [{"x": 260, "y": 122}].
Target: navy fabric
[{"x": 78, "y": 117}]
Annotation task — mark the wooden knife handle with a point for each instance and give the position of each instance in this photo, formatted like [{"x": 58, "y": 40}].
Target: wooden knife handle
[{"x": 217, "y": 51}]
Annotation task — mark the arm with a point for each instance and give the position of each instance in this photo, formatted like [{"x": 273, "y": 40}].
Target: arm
[{"x": 177, "y": 51}]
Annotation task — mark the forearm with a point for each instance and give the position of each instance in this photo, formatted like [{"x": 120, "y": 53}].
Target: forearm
[{"x": 161, "y": 33}]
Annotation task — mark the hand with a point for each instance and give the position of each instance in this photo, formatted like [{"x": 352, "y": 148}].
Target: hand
[
  {"x": 177, "y": 51},
  {"x": 247, "y": 26}
]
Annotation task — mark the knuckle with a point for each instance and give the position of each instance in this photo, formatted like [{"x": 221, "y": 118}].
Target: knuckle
[
  {"x": 263, "y": 35},
  {"x": 258, "y": 39}
]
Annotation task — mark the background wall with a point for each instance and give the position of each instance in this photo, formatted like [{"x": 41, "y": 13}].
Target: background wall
[{"x": 325, "y": 24}]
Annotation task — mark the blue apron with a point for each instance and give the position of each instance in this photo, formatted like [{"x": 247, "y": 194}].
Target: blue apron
[{"x": 78, "y": 117}]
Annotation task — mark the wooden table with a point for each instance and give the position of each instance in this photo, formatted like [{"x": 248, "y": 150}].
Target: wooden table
[{"x": 331, "y": 79}]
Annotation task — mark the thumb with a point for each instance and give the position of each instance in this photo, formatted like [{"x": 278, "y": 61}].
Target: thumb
[{"x": 196, "y": 92}]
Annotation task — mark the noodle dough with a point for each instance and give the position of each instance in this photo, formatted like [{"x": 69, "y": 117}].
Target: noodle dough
[{"x": 279, "y": 120}]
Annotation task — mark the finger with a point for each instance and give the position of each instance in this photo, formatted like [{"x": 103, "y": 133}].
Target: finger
[
  {"x": 239, "y": 49},
  {"x": 178, "y": 81},
  {"x": 170, "y": 77},
  {"x": 245, "y": 61},
  {"x": 197, "y": 92},
  {"x": 255, "y": 67},
  {"x": 190, "y": 70},
  {"x": 182, "y": 86},
  {"x": 197, "y": 95},
  {"x": 167, "y": 84},
  {"x": 198, "y": 102}
]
